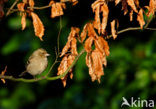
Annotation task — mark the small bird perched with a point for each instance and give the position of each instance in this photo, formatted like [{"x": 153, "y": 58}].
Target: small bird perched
[{"x": 37, "y": 62}]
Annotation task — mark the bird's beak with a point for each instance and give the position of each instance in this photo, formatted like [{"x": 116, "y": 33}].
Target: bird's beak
[{"x": 47, "y": 54}]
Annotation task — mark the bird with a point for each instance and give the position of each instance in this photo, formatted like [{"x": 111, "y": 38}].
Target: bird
[{"x": 37, "y": 62}]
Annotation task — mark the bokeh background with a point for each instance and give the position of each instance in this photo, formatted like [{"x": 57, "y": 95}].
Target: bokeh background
[{"x": 131, "y": 69}]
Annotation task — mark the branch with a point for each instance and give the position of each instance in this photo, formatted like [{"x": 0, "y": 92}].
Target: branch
[
  {"x": 11, "y": 10},
  {"x": 131, "y": 29},
  {"x": 13, "y": 5},
  {"x": 44, "y": 78}
]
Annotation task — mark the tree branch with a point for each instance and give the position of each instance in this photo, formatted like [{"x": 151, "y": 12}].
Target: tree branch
[
  {"x": 13, "y": 5},
  {"x": 11, "y": 10},
  {"x": 131, "y": 29},
  {"x": 44, "y": 78}
]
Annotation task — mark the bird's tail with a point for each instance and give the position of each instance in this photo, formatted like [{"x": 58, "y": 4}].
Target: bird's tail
[{"x": 23, "y": 73}]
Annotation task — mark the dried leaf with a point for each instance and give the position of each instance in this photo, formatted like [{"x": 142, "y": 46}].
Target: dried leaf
[
  {"x": 88, "y": 44},
  {"x": 20, "y": 6},
  {"x": 23, "y": 20},
  {"x": 31, "y": 4},
  {"x": 140, "y": 18},
  {"x": 84, "y": 33},
  {"x": 105, "y": 12},
  {"x": 152, "y": 7},
  {"x": 74, "y": 47},
  {"x": 102, "y": 45},
  {"x": 38, "y": 26},
  {"x": 57, "y": 9},
  {"x": 65, "y": 49},
  {"x": 3, "y": 73},
  {"x": 98, "y": 65},
  {"x": 91, "y": 31},
  {"x": 62, "y": 68},
  {"x": 113, "y": 29},
  {"x": 97, "y": 23},
  {"x": 25, "y": 1},
  {"x": 124, "y": 7},
  {"x": 70, "y": 60},
  {"x": 64, "y": 65},
  {"x": 131, "y": 15},
  {"x": 117, "y": 2},
  {"x": 90, "y": 66},
  {"x": 132, "y": 5},
  {"x": 137, "y": 3},
  {"x": 75, "y": 3},
  {"x": 73, "y": 34},
  {"x": 99, "y": 6}
]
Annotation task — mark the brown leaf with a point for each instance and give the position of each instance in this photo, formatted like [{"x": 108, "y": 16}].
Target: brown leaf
[
  {"x": 98, "y": 65},
  {"x": 105, "y": 12},
  {"x": 137, "y": 3},
  {"x": 124, "y": 7},
  {"x": 91, "y": 31},
  {"x": 89, "y": 63},
  {"x": 70, "y": 60},
  {"x": 140, "y": 18},
  {"x": 38, "y": 26},
  {"x": 62, "y": 68},
  {"x": 88, "y": 44},
  {"x": 132, "y": 5},
  {"x": 131, "y": 15},
  {"x": 57, "y": 9},
  {"x": 74, "y": 2},
  {"x": 31, "y": 4},
  {"x": 113, "y": 29},
  {"x": 117, "y": 2},
  {"x": 84, "y": 33},
  {"x": 97, "y": 23},
  {"x": 74, "y": 47},
  {"x": 20, "y": 6},
  {"x": 64, "y": 65},
  {"x": 3, "y": 73},
  {"x": 25, "y": 1},
  {"x": 23, "y": 20},
  {"x": 73, "y": 34},
  {"x": 102, "y": 45},
  {"x": 65, "y": 49},
  {"x": 99, "y": 6},
  {"x": 152, "y": 7}
]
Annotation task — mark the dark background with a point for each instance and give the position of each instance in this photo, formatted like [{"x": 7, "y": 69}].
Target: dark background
[{"x": 131, "y": 69}]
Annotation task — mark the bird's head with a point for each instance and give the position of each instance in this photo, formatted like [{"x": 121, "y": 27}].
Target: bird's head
[{"x": 41, "y": 52}]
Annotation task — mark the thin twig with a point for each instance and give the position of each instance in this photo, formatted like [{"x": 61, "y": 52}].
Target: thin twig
[
  {"x": 11, "y": 10},
  {"x": 58, "y": 37},
  {"x": 13, "y": 5},
  {"x": 52, "y": 66},
  {"x": 131, "y": 29},
  {"x": 57, "y": 52}
]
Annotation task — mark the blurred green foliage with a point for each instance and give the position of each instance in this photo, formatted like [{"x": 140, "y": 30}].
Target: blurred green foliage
[{"x": 131, "y": 69}]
